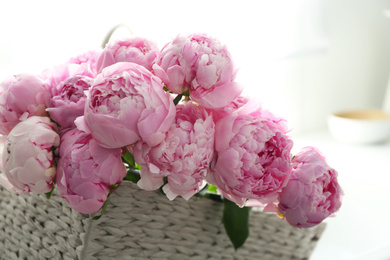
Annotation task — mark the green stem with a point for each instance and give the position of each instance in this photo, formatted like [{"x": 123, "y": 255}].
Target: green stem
[{"x": 177, "y": 99}]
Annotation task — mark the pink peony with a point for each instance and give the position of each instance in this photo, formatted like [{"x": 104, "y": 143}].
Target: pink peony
[
  {"x": 68, "y": 100},
  {"x": 82, "y": 65},
  {"x": 126, "y": 104},
  {"x": 3, "y": 178},
  {"x": 203, "y": 66},
  {"x": 88, "y": 59},
  {"x": 253, "y": 156},
  {"x": 138, "y": 50},
  {"x": 67, "y": 84},
  {"x": 176, "y": 64},
  {"x": 28, "y": 157},
  {"x": 184, "y": 156},
  {"x": 233, "y": 106},
  {"x": 58, "y": 74},
  {"x": 86, "y": 171},
  {"x": 21, "y": 96},
  {"x": 313, "y": 193}
]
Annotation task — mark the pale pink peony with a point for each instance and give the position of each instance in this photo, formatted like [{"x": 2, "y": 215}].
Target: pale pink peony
[
  {"x": 21, "y": 96},
  {"x": 184, "y": 156},
  {"x": 3, "y": 178},
  {"x": 232, "y": 107},
  {"x": 86, "y": 171},
  {"x": 138, "y": 50},
  {"x": 203, "y": 66},
  {"x": 253, "y": 156},
  {"x": 126, "y": 104},
  {"x": 68, "y": 100},
  {"x": 312, "y": 193},
  {"x": 27, "y": 159},
  {"x": 88, "y": 59},
  {"x": 60, "y": 73},
  {"x": 82, "y": 65}
]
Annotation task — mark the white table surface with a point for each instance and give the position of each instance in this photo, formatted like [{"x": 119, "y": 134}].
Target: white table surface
[{"x": 361, "y": 228}]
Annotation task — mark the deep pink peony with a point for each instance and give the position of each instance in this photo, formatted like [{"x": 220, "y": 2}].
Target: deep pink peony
[
  {"x": 21, "y": 96},
  {"x": 184, "y": 156},
  {"x": 67, "y": 84},
  {"x": 203, "y": 66},
  {"x": 27, "y": 159},
  {"x": 86, "y": 171},
  {"x": 68, "y": 100},
  {"x": 126, "y": 104},
  {"x": 253, "y": 156},
  {"x": 138, "y": 50},
  {"x": 313, "y": 192}
]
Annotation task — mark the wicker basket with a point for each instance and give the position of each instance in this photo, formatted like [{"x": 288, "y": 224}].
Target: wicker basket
[{"x": 140, "y": 225}]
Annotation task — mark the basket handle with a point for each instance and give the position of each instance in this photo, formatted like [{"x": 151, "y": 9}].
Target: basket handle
[{"x": 108, "y": 36}]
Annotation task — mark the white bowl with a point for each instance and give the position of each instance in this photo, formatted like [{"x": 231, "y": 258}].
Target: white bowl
[{"x": 367, "y": 126}]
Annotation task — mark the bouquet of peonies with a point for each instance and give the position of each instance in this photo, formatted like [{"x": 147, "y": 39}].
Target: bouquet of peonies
[{"x": 172, "y": 119}]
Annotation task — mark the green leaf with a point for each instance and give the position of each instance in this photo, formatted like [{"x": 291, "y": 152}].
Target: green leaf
[
  {"x": 48, "y": 194},
  {"x": 212, "y": 189},
  {"x": 104, "y": 207},
  {"x": 132, "y": 175},
  {"x": 129, "y": 159},
  {"x": 210, "y": 192},
  {"x": 236, "y": 222}
]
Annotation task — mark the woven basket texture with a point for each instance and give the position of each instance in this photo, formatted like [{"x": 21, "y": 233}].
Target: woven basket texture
[{"x": 141, "y": 224}]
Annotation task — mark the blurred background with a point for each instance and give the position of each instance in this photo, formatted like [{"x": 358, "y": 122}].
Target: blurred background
[{"x": 303, "y": 59}]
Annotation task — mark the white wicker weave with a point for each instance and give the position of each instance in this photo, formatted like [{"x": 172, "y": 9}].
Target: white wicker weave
[{"x": 141, "y": 225}]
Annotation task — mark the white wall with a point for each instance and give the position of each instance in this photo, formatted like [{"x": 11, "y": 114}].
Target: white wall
[
  {"x": 36, "y": 34},
  {"x": 352, "y": 74}
]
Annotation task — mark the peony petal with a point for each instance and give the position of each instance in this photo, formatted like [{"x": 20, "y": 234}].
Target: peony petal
[{"x": 221, "y": 96}]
